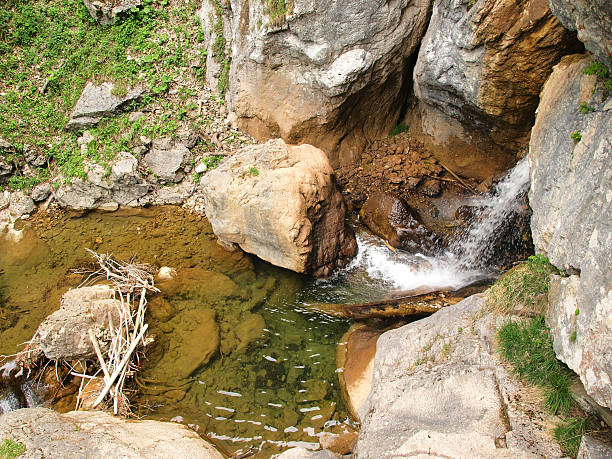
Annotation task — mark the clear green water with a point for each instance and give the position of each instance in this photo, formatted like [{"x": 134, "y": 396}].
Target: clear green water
[{"x": 236, "y": 354}]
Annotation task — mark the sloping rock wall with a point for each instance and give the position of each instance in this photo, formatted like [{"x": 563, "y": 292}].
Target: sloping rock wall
[
  {"x": 331, "y": 73},
  {"x": 571, "y": 197},
  {"x": 478, "y": 76}
]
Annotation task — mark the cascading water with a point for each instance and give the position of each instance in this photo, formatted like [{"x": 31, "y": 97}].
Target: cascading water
[{"x": 376, "y": 270}]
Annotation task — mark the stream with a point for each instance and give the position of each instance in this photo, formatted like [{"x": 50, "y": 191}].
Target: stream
[{"x": 269, "y": 379}]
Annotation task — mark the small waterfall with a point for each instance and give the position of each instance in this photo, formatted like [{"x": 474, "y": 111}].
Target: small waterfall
[
  {"x": 477, "y": 246},
  {"x": 15, "y": 391},
  {"x": 376, "y": 270}
]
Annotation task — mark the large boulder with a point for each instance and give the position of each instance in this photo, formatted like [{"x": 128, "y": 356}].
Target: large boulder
[
  {"x": 331, "y": 73},
  {"x": 440, "y": 390},
  {"x": 105, "y": 11},
  {"x": 64, "y": 334},
  {"x": 95, "y": 434},
  {"x": 478, "y": 75},
  {"x": 592, "y": 19},
  {"x": 280, "y": 202},
  {"x": 98, "y": 101},
  {"x": 392, "y": 219},
  {"x": 571, "y": 197}
]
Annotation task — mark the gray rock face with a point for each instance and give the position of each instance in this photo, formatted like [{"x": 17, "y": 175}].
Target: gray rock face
[
  {"x": 95, "y": 434},
  {"x": 591, "y": 448},
  {"x": 64, "y": 334},
  {"x": 21, "y": 204},
  {"x": 592, "y": 19},
  {"x": 571, "y": 198},
  {"x": 106, "y": 11},
  {"x": 97, "y": 102},
  {"x": 311, "y": 74},
  {"x": 40, "y": 192},
  {"x": 167, "y": 160},
  {"x": 438, "y": 389},
  {"x": 122, "y": 184},
  {"x": 480, "y": 70},
  {"x": 280, "y": 202}
]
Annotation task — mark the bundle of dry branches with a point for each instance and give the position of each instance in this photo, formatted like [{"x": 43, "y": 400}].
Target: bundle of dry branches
[{"x": 132, "y": 281}]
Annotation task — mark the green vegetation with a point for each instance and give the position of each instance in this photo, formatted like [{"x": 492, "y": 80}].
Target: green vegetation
[
  {"x": 527, "y": 345},
  {"x": 602, "y": 73},
  {"x": 10, "y": 449},
  {"x": 576, "y": 136},
  {"x": 399, "y": 129},
  {"x": 50, "y": 50},
  {"x": 253, "y": 171},
  {"x": 277, "y": 11},
  {"x": 585, "y": 108},
  {"x": 212, "y": 161},
  {"x": 573, "y": 336},
  {"x": 520, "y": 288},
  {"x": 219, "y": 49},
  {"x": 569, "y": 433}
]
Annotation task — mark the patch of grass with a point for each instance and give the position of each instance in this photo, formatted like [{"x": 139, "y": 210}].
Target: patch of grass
[
  {"x": 10, "y": 448},
  {"x": 569, "y": 433},
  {"x": 527, "y": 345},
  {"x": 522, "y": 286},
  {"x": 399, "y": 129},
  {"x": 602, "y": 72}
]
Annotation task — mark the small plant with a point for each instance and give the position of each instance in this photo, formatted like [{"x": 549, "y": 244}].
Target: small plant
[
  {"x": 573, "y": 337},
  {"x": 585, "y": 108},
  {"x": 576, "y": 136},
  {"x": 460, "y": 329},
  {"x": 569, "y": 433},
  {"x": 212, "y": 161},
  {"x": 10, "y": 448},
  {"x": 399, "y": 129},
  {"x": 602, "y": 73},
  {"x": 196, "y": 178},
  {"x": 577, "y": 311},
  {"x": 253, "y": 171}
]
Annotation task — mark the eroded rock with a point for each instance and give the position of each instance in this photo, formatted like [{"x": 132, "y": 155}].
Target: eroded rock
[
  {"x": 390, "y": 217},
  {"x": 106, "y": 11},
  {"x": 280, "y": 203},
  {"x": 21, "y": 204},
  {"x": 478, "y": 76},
  {"x": 97, "y": 102},
  {"x": 571, "y": 197},
  {"x": 310, "y": 74},
  {"x": 64, "y": 334},
  {"x": 166, "y": 160},
  {"x": 95, "y": 434}
]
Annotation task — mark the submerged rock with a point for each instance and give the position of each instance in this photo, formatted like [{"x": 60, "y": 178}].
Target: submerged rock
[
  {"x": 439, "y": 387},
  {"x": 571, "y": 198},
  {"x": 95, "y": 434},
  {"x": 64, "y": 334},
  {"x": 478, "y": 75},
  {"x": 97, "y": 102},
  {"x": 311, "y": 72},
  {"x": 390, "y": 217},
  {"x": 280, "y": 202}
]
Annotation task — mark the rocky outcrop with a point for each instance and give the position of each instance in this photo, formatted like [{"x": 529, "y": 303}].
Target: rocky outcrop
[
  {"x": 439, "y": 389},
  {"x": 95, "y": 434},
  {"x": 64, "y": 334},
  {"x": 478, "y": 75},
  {"x": 590, "y": 448},
  {"x": 166, "y": 160},
  {"x": 392, "y": 219},
  {"x": 96, "y": 102},
  {"x": 571, "y": 196},
  {"x": 106, "y": 11},
  {"x": 280, "y": 203},
  {"x": 592, "y": 19},
  {"x": 310, "y": 71}
]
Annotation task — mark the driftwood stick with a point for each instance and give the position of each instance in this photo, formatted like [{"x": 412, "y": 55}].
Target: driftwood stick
[
  {"x": 96, "y": 346},
  {"x": 423, "y": 304},
  {"x": 121, "y": 366},
  {"x": 458, "y": 178}
]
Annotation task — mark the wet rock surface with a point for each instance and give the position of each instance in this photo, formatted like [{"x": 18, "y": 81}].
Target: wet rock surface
[
  {"x": 309, "y": 73},
  {"x": 571, "y": 197},
  {"x": 392, "y": 219},
  {"x": 438, "y": 387},
  {"x": 97, "y": 102},
  {"x": 280, "y": 202},
  {"x": 94, "y": 434}
]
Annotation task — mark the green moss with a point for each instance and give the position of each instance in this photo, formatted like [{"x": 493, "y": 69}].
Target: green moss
[
  {"x": 10, "y": 449},
  {"x": 399, "y": 129},
  {"x": 521, "y": 287}
]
